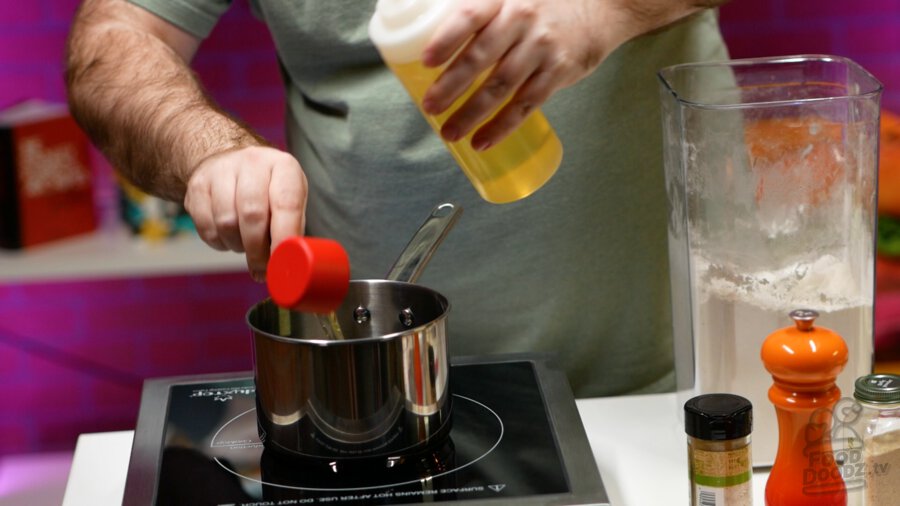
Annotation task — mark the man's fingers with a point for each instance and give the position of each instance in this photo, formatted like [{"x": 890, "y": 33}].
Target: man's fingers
[
  {"x": 513, "y": 70},
  {"x": 471, "y": 17},
  {"x": 483, "y": 51},
  {"x": 198, "y": 203},
  {"x": 287, "y": 201},
  {"x": 531, "y": 95},
  {"x": 252, "y": 204},
  {"x": 224, "y": 210}
]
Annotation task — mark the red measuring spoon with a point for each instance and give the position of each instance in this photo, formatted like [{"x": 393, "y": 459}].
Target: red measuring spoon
[{"x": 308, "y": 274}]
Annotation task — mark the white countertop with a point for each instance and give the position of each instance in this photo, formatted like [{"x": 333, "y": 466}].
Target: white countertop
[{"x": 639, "y": 445}]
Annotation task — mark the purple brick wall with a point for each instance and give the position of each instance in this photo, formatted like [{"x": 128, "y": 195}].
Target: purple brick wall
[{"x": 73, "y": 354}]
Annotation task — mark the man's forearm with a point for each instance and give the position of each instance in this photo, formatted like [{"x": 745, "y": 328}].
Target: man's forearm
[
  {"x": 637, "y": 17},
  {"x": 140, "y": 103}
]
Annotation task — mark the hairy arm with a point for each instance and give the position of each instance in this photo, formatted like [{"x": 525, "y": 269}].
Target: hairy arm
[
  {"x": 131, "y": 89},
  {"x": 637, "y": 17}
]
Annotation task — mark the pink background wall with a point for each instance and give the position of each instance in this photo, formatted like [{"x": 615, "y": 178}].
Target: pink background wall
[{"x": 73, "y": 355}]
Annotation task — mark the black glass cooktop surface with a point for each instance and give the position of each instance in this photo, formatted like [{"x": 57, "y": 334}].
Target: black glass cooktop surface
[{"x": 516, "y": 436}]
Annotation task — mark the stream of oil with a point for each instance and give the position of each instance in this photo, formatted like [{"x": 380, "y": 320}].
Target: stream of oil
[{"x": 330, "y": 326}]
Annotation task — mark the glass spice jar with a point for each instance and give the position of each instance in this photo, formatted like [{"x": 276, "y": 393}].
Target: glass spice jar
[
  {"x": 718, "y": 427},
  {"x": 878, "y": 430}
]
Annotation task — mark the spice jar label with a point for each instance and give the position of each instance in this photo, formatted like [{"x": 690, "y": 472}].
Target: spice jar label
[{"x": 721, "y": 468}]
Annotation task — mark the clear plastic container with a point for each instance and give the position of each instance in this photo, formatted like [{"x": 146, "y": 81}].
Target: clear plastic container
[
  {"x": 771, "y": 168},
  {"x": 510, "y": 170}
]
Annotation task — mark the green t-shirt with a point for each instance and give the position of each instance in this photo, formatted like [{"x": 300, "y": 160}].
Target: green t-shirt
[{"x": 578, "y": 269}]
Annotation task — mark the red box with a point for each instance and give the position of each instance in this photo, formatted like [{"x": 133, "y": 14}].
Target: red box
[{"x": 46, "y": 190}]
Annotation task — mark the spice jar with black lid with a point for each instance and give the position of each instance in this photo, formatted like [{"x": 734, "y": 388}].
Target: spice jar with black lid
[{"x": 718, "y": 427}]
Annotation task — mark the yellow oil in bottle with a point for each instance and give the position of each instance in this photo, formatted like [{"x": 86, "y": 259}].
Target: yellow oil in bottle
[{"x": 510, "y": 170}]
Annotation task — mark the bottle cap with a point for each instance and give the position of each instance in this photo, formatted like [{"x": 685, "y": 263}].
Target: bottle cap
[
  {"x": 878, "y": 388},
  {"x": 308, "y": 274},
  {"x": 400, "y": 29},
  {"x": 718, "y": 417}
]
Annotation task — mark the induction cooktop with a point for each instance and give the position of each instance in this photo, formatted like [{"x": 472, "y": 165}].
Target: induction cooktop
[{"x": 516, "y": 438}]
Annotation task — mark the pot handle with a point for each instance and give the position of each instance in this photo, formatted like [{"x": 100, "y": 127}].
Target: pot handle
[{"x": 415, "y": 256}]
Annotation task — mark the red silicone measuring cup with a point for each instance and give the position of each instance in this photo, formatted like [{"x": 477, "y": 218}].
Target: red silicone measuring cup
[{"x": 308, "y": 274}]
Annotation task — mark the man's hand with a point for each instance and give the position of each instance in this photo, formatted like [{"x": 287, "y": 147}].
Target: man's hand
[
  {"x": 248, "y": 200},
  {"x": 536, "y": 47}
]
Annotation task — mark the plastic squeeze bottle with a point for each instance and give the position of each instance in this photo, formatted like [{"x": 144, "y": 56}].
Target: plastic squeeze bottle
[
  {"x": 510, "y": 170},
  {"x": 804, "y": 362}
]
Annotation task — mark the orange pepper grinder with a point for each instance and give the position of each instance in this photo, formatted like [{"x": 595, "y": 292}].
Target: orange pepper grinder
[{"x": 804, "y": 361}]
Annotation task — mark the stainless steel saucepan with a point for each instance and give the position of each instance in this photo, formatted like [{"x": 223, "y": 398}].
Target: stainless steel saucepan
[{"x": 383, "y": 388}]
